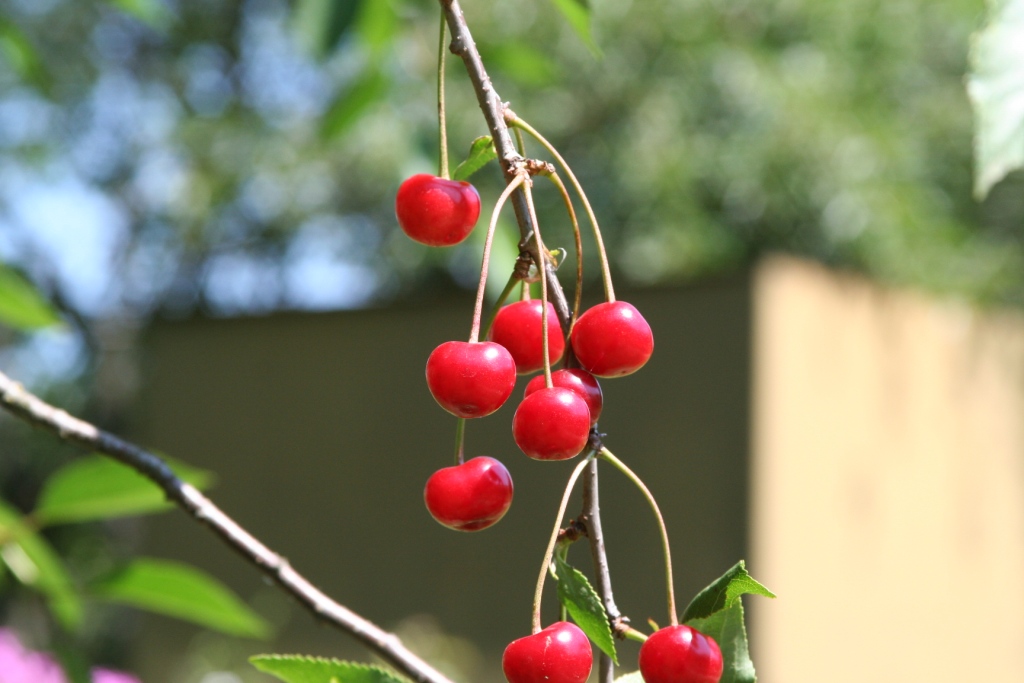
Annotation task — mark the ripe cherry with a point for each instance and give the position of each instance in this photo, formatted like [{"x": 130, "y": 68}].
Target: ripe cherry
[
  {"x": 580, "y": 381},
  {"x": 470, "y": 496},
  {"x": 559, "y": 654},
  {"x": 612, "y": 339},
  {"x": 470, "y": 379},
  {"x": 435, "y": 211},
  {"x": 518, "y": 328},
  {"x": 552, "y": 424},
  {"x": 680, "y": 654}
]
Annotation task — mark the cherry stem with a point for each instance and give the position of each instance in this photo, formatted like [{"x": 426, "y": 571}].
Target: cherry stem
[
  {"x": 632, "y": 634},
  {"x": 609, "y": 290},
  {"x": 520, "y": 143},
  {"x": 528, "y": 191},
  {"x": 554, "y": 177},
  {"x": 509, "y": 286},
  {"x": 549, "y": 552},
  {"x": 474, "y": 333},
  {"x": 441, "y": 120},
  {"x": 631, "y": 475},
  {"x": 460, "y": 437}
]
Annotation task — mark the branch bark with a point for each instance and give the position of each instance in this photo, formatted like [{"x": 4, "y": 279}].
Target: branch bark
[
  {"x": 23, "y": 404},
  {"x": 493, "y": 109}
]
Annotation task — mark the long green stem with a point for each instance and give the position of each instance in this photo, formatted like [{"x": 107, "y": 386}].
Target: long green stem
[
  {"x": 542, "y": 267},
  {"x": 474, "y": 333},
  {"x": 442, "y": 122},
  {"x": 460, "y": 438},
  {"x": 609, "y": 290},
  {"x": 576, "y": 236},
  {"x": 549, "y": 552},
  {"x": 631, "y": 475}
]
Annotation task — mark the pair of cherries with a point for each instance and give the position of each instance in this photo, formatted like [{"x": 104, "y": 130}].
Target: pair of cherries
[{"x": 561, "y": 653}]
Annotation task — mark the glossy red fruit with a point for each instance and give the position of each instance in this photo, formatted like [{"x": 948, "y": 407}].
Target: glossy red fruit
[
  {"x": 559, "y": 654},
  {"x": 552, "y": 424},
  {"x": 518, "y": 328},
  {"x": 580, "y": 381},
  {"x": 612, "y": 339},
  {"x": 435, "y": 211},
  {"x": 680, "y": 654},
  {"x": 470, "y": 379},
  {"x": 470, "y": 496}
]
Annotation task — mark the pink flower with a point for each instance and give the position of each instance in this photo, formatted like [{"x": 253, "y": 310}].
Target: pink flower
[{"x": 18, "y": 665}]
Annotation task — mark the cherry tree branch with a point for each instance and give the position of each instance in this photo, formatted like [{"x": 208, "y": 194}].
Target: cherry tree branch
[
  {"x": 512, "y": 162},
  {"x": 25, "y": 405}
]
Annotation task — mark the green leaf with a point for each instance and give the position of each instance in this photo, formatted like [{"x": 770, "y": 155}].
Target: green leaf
[
  {"x": 303, "y": 669},
  {"x": 996, "y": 88},
  {"x": 178, "y": 590},
  {"x": 151, "y": 12},
  {"x": 35, "y": 564},
  {"x": 585, "y": 607},
  {"x": 480, "y": 152},
  {"x": 351, "y": 103},
  {"x": 524, "y": 64},
  {"x": 726, "y": 627},
  {"x": 18, "y": 51},
  {"x": 577, "y": 12},
  {"x": 724, "y": 592},
  {"x": 97, "y": 487},
  {"x": 377, "y": 26},
  {"x": 21, "y": 305},
  {"x": 321, "y": 24}
]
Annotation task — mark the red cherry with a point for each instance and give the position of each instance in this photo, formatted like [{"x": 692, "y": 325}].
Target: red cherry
[
  {"x": 552, "y": 424},
  {"x": 518, "y": 328},
  {"x": 470, "y": 379},
  {"x": 612, "y": 339},
  {"x": 580, "y": 381},
  {"x": 470, "y": 496},
  {"x": 435, "y": 211},
  {"x": 680, "y": 654},
  {"x": 559, "y": 654}
]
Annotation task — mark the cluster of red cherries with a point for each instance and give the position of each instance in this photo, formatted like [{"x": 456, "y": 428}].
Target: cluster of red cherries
[{"x": 472, "y": 379}]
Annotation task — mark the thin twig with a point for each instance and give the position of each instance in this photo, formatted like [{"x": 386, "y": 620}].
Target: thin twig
[{"x": 25, "y": 405}]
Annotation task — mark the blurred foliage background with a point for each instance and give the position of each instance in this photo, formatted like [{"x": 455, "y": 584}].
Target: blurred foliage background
[{"x": 226, "y": 157}]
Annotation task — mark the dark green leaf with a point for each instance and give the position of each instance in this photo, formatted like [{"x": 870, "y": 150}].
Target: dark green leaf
[
  {"x": 302, "y": 669},
  {"x": 97, "y": 487},
  {"x": 726, "y": 627},
  {"x": 20, "y": 54},
  {"x": 151, "y": 12},
  {"x": 35, "y": 564},
  {"x": 585, "y": 607},
  {"x": 21, "y": 305},
  {"x": 321, "y": 24},
  {"x": 181, "y": 591},
  {"x": 577, "y": 12},
  {"x": 996, "y": 87},
  {"x": 723, "y": 592},
  {"x": 480, "y": 152},
  {"x": 350, "y": 104}
]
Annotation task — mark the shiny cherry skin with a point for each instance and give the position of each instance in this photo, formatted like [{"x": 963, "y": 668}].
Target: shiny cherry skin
[
  {"x": 552, "y": 424},
  {"x": 470, "y": 379},
  {"x": 580, "y": 381},
  {"x": 470, "y": 496},
  {"x": 559, "y": 654},
  {"x": 518, "y": 328},
  {"x": 680, "y": 654},
  {"x": 612, "y": 339},
  {"x": 435, "y": 211}
]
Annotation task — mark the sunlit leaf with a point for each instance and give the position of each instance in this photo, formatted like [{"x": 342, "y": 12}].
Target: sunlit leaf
[
  {"x": 35, "y": 564},
  {"x": 21, "y": 305},
  {"x": 352, "y": 103},
  {"x": 302, "y": 669},
  {"x": 321, "y": 24},
  {"x": 727, "y": 628},
  {"x": 577, "y": 13},
  {"x": 996, "y": 88},
  {"x": 585, "y": 607},
  {"x": 182, "y": 591},
  {"x": 723, "y": 592},
  {"x": 481, "y": 151},
  {"x": 97, "y": 487}
]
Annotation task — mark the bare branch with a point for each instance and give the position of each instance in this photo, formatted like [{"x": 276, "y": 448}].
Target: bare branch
[{"x": 20, "y": 402}]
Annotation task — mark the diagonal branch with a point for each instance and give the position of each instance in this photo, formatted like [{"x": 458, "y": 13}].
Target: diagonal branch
[{"x": 17, "y": 400}]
